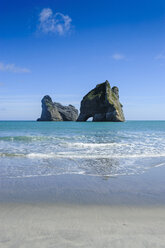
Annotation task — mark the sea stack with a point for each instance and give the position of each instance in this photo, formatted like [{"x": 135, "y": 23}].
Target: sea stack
[
  {"x": 102, "y": 103},
  {"x": 53, "y": 111}
]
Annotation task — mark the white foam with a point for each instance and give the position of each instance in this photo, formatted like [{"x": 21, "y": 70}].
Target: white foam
[
  {"x": 83, "y": 173},
  {"x": 40, "y": 155},
  {"x": 67, "y": 155},
  {"x": 159, "y": 165},
  {"x": 95, "y": 145}
]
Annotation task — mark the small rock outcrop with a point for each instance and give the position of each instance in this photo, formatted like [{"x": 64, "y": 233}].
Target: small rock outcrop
[
  {"x": 53, "y": 111},
  {"x": 102, "y": 103}
]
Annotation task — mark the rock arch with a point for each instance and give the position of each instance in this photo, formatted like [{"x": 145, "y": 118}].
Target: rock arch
[{"x": 102, "y": 103}]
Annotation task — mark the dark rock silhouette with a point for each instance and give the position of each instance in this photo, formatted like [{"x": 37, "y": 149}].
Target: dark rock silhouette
[
  {"x": 102, "y": 103},
  {"x": 53, "y": 111}
]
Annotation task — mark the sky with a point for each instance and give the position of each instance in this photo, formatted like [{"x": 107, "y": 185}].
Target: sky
[{"x": 63, "y": 48}]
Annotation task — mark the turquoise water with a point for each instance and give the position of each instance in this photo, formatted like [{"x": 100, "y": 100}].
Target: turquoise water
[{"x": 29, "y": 149}]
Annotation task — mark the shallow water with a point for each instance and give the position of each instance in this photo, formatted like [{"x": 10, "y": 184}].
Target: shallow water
[{"x": 29, "y": 149}]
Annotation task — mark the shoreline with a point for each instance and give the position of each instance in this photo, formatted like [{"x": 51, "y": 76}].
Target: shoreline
[{"x": 134, "y": 190}]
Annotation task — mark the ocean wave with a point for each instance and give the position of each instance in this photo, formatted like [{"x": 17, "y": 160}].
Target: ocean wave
[
  {"x": 66, "y": 155},
  {"x": 6, "y": 154},
  {"x": 39, "y": 164},
  {"x": 95, "y": 145},
  {"x": 90, "y": 156},
  {"x": 23, "y": 138}
]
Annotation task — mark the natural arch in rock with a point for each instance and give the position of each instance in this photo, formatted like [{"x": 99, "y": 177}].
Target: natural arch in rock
[{"x": 102, "y": 103}]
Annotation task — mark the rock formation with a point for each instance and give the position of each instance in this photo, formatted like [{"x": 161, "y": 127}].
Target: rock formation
[
  {"x": 102, "y": 103},
  {"x": 53, "y": 111}
]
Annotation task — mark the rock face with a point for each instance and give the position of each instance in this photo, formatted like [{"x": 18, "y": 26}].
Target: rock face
[
  {"x": 53, "y": 111},
  {"x": 102, "y": 103}
]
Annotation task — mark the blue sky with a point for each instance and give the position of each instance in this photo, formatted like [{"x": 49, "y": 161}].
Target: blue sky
[{"x": 65, "y": 47}]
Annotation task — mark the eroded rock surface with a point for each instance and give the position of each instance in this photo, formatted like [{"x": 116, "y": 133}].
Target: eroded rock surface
[
  {"x": 102, "y": 103},
  {"x": 53, "y": 111}
]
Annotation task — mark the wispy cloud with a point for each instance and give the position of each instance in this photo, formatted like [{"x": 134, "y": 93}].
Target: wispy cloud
[
  {"x": 160, "y": 56},
  {"x": 13, "y": 68},
  {"x": 118, "y": 56},
  {"x": 56, "y": 23}
]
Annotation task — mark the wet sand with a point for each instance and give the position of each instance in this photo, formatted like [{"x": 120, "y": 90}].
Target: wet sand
[{"x": 81, "y": 211}]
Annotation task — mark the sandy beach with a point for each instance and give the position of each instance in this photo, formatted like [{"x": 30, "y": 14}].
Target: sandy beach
[
  {"x": 45, "y": 225},
  {"x": 81, "y": 211}
]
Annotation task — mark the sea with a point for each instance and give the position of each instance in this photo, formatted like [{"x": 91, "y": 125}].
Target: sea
[{"x": 33, "y": 149}]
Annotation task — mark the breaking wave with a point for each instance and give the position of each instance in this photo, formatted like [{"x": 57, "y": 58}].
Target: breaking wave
[{"x": 96, "y": 149}]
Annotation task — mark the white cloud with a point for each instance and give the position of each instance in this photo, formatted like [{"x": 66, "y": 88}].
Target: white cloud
[
  {"x": 160, "y": 56},
  {"x": 56, "y": 23},
  {"x": 118, "y": 56},
  {"x": 45, "y": 14},
  {"x": 13, "y": 68}
]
